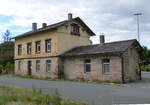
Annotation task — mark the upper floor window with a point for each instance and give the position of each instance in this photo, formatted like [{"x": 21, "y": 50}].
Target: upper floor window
[
  {"x": 48, "y": 45},
  {"x": 106, "y": 65},
  {"x": 75, "y": 29},
  {"x": 37, "y": 65},
  {"x": 48, "y": 65},
  {"x": 38, "y": 46},
  {"x": 87, "y": 65},
  {"x": 28, "y": 48},
  {"x": 19, "y": 49}
]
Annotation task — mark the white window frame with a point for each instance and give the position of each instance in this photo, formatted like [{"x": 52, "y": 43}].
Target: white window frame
[
  {"x": 103, "y": 66},
  {"x": 48, "y": 45},
  {"x": 29, "y": 48},
  {"x": 85, "y": 68},
  {"x": 38, "y": 46},
  {"x": 48, "y": 63},
  {"x": 38, "y": 66}
]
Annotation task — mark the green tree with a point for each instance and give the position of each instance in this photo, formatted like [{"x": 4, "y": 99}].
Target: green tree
[
  {"x": 1, "y": 68},
  {"x": 9, "y": 67},
  {"x": 146, "y": 56},
  {"x": 7, "y": 36}
]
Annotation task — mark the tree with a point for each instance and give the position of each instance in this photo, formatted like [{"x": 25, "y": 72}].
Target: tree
[
  {"x": 146, "y": 56},
  {"x": 9, "y": 67},
  {"x": 7, "y": 36}
]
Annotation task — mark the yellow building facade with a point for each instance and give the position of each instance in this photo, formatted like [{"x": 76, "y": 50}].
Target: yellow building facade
[{"x": 63, "y": 36}]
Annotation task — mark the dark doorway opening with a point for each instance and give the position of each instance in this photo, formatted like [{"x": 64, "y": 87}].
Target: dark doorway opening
[{"x": 29, "y": 68}]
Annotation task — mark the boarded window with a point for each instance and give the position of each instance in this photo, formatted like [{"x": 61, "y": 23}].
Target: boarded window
[
  {"x": 48, "y": 65},
  {"x": 106, "y": 65},
  {"x": 87, "y": 65},
  {"x": 19, "y": 49},
  {"x": 37, "y": 65}
]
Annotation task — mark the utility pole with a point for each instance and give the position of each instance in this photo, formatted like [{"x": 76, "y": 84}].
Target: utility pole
[{"x": 138, "y": 30}]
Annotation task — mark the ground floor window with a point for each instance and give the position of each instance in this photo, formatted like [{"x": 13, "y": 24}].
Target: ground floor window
[
  {"x": 105, "y": 65},
  {"x": 37, "y": 65},
  {"x": 19, "y": 65},
  {"x": 87, "y": 65},
  {"x": 48, "y": 65}
]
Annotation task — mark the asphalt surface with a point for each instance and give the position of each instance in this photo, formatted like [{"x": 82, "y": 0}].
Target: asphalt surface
[{"x": 95, "y": 94}]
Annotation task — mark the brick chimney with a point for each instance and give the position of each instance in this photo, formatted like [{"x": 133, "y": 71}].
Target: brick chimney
[
  {"x": 102, "y": 39},
  {"x": 69, "y": 16},
  {"x": 34, "y": 26},
  {"x": 44, "y": 25}
]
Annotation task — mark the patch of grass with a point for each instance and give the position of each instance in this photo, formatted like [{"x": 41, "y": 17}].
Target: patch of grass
[{"x": 11, "y": 96}]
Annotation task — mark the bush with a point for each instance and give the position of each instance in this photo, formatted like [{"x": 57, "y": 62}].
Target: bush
[
  {"x": 1, "y": 68},
  {"x": 145, "y": 68},
  {"x": 9, "y": 67}
]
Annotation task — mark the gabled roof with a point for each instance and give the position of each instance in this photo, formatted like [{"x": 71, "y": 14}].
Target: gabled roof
[
  {"x": 56, "y": 25},
  {"x": 107, "y": 48}
]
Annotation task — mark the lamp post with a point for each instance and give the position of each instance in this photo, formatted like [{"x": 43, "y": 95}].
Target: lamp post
[{"x": 138, "y": 30}]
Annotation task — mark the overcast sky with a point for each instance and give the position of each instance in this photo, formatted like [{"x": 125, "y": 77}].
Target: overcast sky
[{"x": 114, "y": 18}]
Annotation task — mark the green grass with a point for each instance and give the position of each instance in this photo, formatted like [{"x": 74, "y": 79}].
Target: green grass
[{"x": 18, "y": 96}]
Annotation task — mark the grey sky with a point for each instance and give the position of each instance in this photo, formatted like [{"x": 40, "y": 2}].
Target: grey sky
[{"x": 113, "y": 17}]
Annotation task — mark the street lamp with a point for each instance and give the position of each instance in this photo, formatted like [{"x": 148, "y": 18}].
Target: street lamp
[{"x": 137, "y": 14}]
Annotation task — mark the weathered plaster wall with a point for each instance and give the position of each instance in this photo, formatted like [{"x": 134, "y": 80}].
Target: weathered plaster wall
[
  {"x": 131, "y": 63},
  {"x": 24, "y": 67},
  {"x": 74, "y": 69}
]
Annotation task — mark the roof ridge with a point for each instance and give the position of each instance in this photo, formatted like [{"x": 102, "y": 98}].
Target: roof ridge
[{"x": 108, "y": 43}]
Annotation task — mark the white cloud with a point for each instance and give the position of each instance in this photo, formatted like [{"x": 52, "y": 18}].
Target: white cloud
[{"x": 114, "y": 18}]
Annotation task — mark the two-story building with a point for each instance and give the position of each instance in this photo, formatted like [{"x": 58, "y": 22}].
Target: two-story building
[{"x": 64, "y": 50}]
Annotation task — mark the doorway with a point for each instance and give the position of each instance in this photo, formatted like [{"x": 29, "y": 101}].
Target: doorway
[{"x": 29, "y": 68}]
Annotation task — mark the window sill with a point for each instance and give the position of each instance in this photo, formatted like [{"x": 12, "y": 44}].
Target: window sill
[
  {"x": 75, "y": 33},
  {"x": 106, "y": 73},
  {"x": 48, "y": 51},
  {"x": 37, "y": 52},
  {"x": 87, "y": 72}
]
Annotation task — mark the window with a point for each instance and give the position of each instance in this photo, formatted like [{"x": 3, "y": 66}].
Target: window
[
  {"x": 75, "y": 29},
  {"x": 37, "y": 65},
  {"x": 87, "y": 65},
  {"x": 105, "y": 65},
  {"x": 48, "y": 65},
  {"x": 38, "y": 47},
  {"x": 48, "y": 45},
  {"x": 28, "y": 48},
  {"x": 19, "y": 65},
  {"x": 19, "y": 49}
]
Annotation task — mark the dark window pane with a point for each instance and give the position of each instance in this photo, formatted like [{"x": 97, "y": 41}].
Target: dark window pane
[
  {"x": 29, "y": 48},
  {"x": 19, "y": 49},
  {"x": 38, "y": 48},
  {"x": 48, "y": 45},
  {"x": 87, "y": 65}
]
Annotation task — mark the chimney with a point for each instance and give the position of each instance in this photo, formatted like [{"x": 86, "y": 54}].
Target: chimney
[
  {"x": 102, "y": 39},
  {"x": 69, "y": 16},
  {"x": 44, "y": 25},
  {"x": 34, "y": 26}
]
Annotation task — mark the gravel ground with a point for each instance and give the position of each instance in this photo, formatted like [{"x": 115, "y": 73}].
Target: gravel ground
[{"x": 96, "y": 94}]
